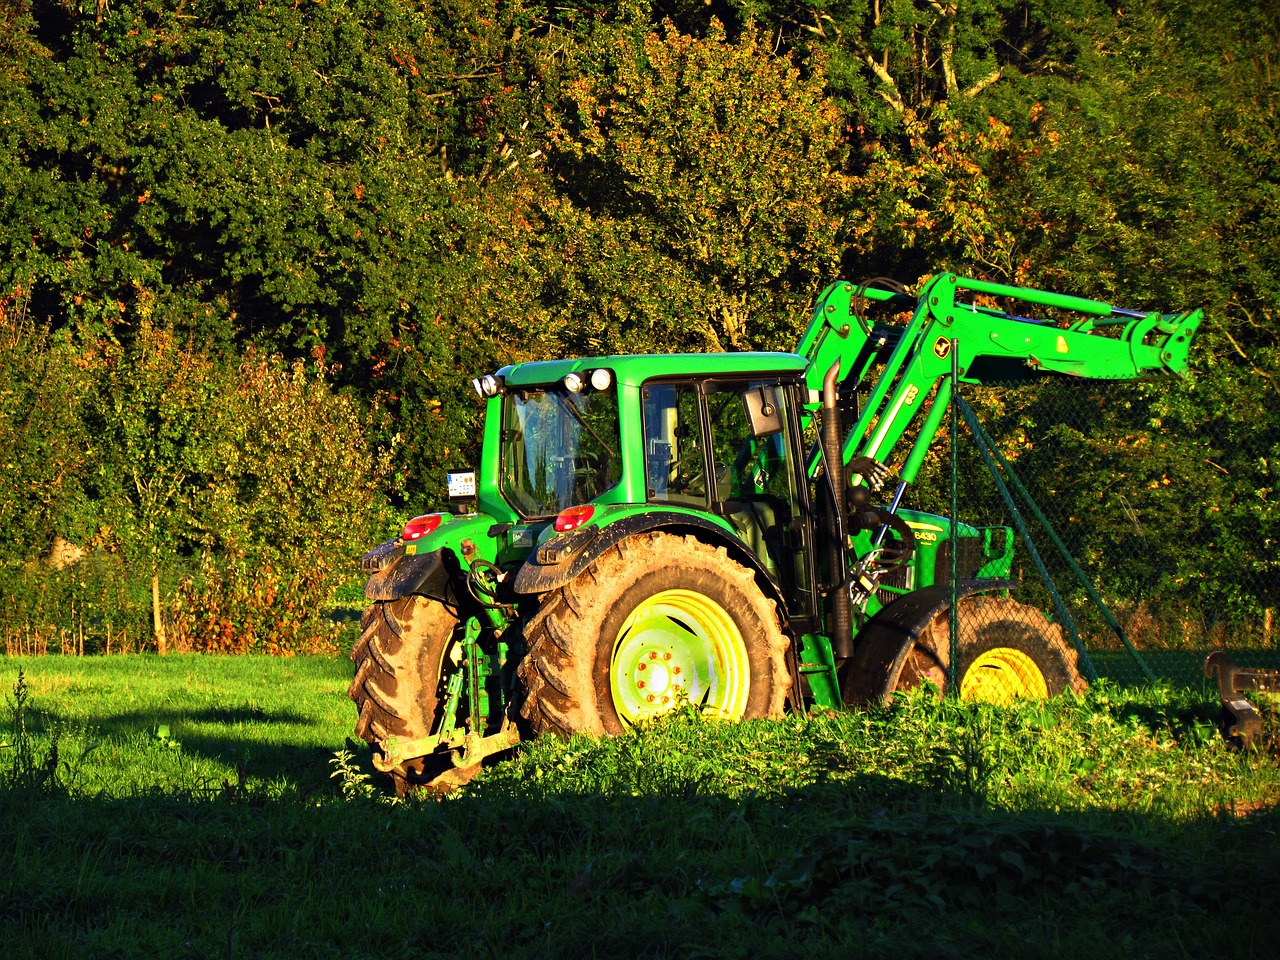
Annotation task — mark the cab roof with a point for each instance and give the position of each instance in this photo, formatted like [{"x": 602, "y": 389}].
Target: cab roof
[{"x": 634, "y": 369}]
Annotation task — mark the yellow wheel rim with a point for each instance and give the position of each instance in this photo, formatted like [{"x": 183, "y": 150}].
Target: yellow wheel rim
[
  {"x": 1002, "y": 675},
  {"x": 679, "y": 646}
]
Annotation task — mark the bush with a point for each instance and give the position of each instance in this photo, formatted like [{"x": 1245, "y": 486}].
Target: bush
[
  {"x": 223, "y": 498},
  {"x": 296, "y": 500}
]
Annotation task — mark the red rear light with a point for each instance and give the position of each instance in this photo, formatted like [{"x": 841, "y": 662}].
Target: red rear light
[
  {"x": 571, "y": 518},
  {"x": 419, "y": 527}
]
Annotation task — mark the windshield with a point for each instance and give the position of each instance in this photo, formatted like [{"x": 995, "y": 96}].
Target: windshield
[{"x": 559, "y": 449}]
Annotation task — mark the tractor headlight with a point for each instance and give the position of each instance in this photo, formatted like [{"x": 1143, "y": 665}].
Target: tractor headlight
[
  {"x": 601, "y": 378},
  {"x": 487, "y": 386}
]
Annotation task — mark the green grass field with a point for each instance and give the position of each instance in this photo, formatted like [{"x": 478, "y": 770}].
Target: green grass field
[
  {"x": 189, "y": 722},
  {"x": 191, "y": 811}
]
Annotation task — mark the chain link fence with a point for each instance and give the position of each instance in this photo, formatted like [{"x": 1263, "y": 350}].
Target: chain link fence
[{"x": 1144, "y": 534}]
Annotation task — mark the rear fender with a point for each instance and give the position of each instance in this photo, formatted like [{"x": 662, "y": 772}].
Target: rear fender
[
  {"x": 432, "y": 567},
  {"x": 561, "y": 559},
  {"x": 881, "y": 647},
  {"x": 433, "y": 574}
]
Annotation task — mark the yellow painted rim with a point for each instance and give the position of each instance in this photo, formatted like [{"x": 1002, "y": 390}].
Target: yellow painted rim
[
  {"x": 679, "y": 646},
  {"x": 1002, "y": 675}
]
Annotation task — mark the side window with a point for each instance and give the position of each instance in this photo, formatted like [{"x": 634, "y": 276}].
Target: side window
[
  {"x": 748, "y": 463},
  {"x": 674, "y": 462}
]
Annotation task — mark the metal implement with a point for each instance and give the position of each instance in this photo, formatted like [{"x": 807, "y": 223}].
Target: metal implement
[{"x": 1243, "y": 722}]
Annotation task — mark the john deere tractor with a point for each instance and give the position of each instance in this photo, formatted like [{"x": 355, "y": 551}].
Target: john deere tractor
[{"x": 724, "y": 530}]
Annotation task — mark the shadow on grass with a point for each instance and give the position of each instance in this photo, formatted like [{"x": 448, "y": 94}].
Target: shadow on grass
[
  {"x": 248, "y": 741},
  {"x": 645, "y": 845},
  {"x": 872, "y": 866}
]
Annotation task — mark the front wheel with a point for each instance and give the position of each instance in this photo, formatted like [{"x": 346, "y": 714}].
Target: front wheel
[
  {"x": 657, "y": 621},
  {"x": 1005, "y": 651}
]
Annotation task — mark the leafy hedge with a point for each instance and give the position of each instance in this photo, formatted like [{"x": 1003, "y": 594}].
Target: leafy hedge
[
  {"x": 406, "y": 195},
  {"x": 240, "y": 487}
]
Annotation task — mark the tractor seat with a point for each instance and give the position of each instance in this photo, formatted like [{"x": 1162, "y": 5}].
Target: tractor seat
[{"x": 759, "y": 520}]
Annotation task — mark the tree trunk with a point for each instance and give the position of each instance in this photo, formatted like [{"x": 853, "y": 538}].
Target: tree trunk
[{"x": 157, "y": 621}]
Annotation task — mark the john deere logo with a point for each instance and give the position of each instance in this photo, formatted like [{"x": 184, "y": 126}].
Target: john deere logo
[{"x": 942, "y": 348}]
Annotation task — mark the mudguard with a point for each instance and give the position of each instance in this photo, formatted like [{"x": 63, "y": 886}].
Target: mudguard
[
  {"x": 428, "y": 574},
  {"x": 431, "y": 566},
  {"x": 562, "y": 558},
  {"x": 881, "y": 647}
]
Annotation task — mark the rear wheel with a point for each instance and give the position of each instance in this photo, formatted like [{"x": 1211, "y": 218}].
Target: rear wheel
[
  {"x": 402, "y": 670},
  {"x": 656, "y": 621},
  {"x": 1005, "y": 651}
]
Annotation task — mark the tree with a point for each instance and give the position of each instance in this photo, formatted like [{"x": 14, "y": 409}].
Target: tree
[
  {"x": 710, "y": 161},
  {"x": 159, "y": 427},
  {"x": 42, "y": 439},
  {"x": 241, "y": 489}
]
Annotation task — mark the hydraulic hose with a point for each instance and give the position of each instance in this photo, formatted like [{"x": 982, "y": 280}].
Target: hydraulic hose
[{"x": 832, "y": 430}]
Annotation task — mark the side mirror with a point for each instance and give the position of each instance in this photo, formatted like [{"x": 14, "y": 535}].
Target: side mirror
[{"x": 764, "y": 413}]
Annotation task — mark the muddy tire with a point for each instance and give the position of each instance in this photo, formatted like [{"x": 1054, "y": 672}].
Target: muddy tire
[
  {"x": 400, "y": 678},
  {"x": 656, "y": 621},
  {"x": 1005, "y": 651}
]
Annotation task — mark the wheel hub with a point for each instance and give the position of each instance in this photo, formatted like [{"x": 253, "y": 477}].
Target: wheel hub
[
  {"x": 1002, "y": 675},
  {"x": 679, "y": 646}
]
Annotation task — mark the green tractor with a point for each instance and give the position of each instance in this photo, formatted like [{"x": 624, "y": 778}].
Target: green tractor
[{"x": 723, "y": 530}]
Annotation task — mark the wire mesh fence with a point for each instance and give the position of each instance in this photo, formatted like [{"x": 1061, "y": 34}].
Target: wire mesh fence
[{"x": 1143, "y": 530}]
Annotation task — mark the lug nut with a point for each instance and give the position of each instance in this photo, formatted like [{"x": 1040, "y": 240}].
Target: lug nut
[
  {"x": 666, "y": 656},
  {"x": 676, "y": 671},
  {"x": 643, "y": 666},
  {"x": 651, "y": 698},
  {"x": 640, "y": 684}
]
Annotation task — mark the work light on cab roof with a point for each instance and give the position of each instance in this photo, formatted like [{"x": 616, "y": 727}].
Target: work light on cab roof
[
  {"x": 487, "y": 386},
  {"x": 599, "y": 378}
]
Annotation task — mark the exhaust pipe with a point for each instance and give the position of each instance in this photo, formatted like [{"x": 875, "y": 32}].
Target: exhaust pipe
[{"x": 832, "y": 430}]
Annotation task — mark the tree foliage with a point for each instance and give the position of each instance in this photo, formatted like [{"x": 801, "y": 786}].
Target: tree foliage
[
  {"x": 718, "y": 158},
  {"x": 42, "y": 437},
  {"x": 408, "y": 194},
  {"x": 239, "y": 487}
]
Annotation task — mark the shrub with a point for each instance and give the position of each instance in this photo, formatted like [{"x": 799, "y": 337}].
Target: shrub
[{"x": 221, "y": 498}]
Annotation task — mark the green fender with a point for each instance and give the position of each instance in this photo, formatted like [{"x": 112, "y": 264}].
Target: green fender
[{"x": 881, "y": 647}]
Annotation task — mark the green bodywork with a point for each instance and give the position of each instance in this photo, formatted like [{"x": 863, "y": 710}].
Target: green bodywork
[{"x": 900, "y": 368}]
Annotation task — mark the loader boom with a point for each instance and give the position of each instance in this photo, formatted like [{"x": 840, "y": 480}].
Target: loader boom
[{"x": 1079, "y": 337}]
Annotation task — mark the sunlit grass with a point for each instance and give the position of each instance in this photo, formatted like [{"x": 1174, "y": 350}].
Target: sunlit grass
[{"x": 147, "y": 722}]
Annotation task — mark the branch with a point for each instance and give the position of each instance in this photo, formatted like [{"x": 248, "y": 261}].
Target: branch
[
  {"x": 985, "y": 82},
  {"x": 1248, "y": 360},
  {"x": 894, "y": 96},
  {"x": 949, "y": 68}
]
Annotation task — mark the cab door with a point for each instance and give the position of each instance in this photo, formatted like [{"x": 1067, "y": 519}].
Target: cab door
[{"x": 758, "y": 471}]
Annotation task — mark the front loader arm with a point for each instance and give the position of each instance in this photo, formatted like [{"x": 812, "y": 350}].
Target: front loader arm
[
  {"x": 991, "y": 345},
  {"x": 838, "y": 333},
  {"x": 912, "y": 364}
]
